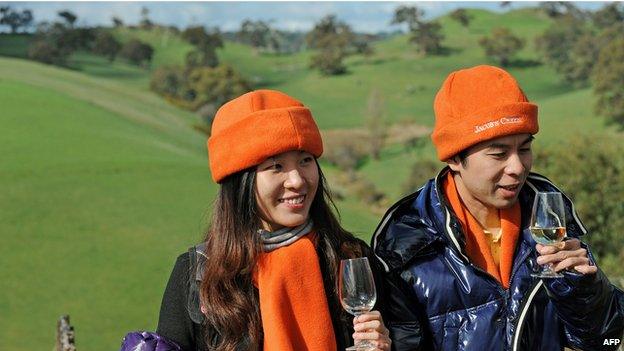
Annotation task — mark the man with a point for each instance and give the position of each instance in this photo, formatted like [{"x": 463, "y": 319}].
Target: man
[{"x": 458, "y": 252}]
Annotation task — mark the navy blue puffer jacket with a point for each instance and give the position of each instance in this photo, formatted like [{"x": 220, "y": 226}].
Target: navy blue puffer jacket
[{"x": 438, "y": 300}]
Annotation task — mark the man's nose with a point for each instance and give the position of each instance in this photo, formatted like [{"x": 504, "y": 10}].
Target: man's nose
[{"x": 515, "y": 165}]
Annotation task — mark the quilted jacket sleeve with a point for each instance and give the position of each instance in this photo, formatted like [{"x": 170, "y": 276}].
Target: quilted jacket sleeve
[
  {"x": 402, "y": 316},
  {"x": 591, "y": 308}
]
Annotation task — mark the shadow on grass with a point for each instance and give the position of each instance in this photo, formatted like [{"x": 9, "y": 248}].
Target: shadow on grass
[
  {"x": 448, "y": 51},
  {"x": 369, "y": 61},
  {"x": 104, "y": 69},
  {"x": 269, "y": 81},
  {"x": 522, "y": 63}
]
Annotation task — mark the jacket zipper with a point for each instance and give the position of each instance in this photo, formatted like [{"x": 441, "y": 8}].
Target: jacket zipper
[
  {"x": 534, "y": 289},
  {"x": 466, "y": 259},
  {"x": 524, "y": 307}
]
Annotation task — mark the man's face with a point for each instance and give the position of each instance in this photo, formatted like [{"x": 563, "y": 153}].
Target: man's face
[{"x": 494, "y": 171}]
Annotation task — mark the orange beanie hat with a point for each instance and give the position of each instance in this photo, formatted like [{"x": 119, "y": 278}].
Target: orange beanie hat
[
  {"x": 479, "y": 104},
  {"x": 257, "y": 125}
]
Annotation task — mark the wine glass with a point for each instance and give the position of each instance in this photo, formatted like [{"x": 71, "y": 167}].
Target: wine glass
[
  {"x": 356, "y": 288},
  {"x": 548, "y": 225}
]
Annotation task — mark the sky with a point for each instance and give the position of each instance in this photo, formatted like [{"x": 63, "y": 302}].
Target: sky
[{"x": 370, "y": 17}]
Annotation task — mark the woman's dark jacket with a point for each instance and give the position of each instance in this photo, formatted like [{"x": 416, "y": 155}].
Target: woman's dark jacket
[
  {"x": 181, "y": 320},
  {"x": 439, "y": 300}
]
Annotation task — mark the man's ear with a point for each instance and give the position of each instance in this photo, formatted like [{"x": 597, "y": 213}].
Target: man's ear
[{"x": 454, "y": 163}]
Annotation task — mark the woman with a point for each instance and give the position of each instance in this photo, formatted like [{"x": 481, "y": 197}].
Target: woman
[{"x": 265, "y": 277}]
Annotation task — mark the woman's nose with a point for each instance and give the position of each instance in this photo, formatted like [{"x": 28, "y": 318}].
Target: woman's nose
[{"x": 294, "y": 179}]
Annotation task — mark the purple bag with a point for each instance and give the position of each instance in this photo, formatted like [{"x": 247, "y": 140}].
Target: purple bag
[{"x": 147, "y": 341}]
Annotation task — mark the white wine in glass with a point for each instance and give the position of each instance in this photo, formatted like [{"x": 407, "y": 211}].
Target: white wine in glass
[
  {"x": 356, "y": 288},
  {"x": 548, "y": 226}
]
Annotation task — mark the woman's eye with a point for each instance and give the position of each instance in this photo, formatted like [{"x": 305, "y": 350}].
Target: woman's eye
[{"x": 274, "y": 167}]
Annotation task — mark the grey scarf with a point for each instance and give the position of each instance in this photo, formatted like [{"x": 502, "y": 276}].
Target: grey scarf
[{"x": 283, "y": 237}]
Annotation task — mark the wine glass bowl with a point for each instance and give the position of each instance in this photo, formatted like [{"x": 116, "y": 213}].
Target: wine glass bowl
[
  {"x": 357, "y": 293},
  {"x": 548, "y": 226}
]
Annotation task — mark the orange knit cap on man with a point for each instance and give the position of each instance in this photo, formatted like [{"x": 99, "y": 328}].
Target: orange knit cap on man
[
  {"x": 479, "y": 104},
  {"x": 257, "y": 125}
]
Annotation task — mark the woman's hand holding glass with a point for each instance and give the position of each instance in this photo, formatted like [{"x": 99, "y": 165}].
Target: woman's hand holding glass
[
  {"x": 356, "y": 287},
  {"x": 370, "y": 327}
]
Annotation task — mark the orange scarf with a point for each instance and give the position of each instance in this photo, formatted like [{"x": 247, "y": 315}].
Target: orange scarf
[
  {"x": 477, "y": 246},
  {"x": 293, "y": 306}
]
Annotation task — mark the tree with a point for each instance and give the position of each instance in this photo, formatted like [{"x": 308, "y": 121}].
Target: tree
[
  {"x": 582, "y": 58},
  {"x": 254, "y": 33},
  {"x": 216, "y": 86},
  {"x": 106, "y": 45},
  {"x": 117, "y": 22},
  {"x": 137, "y": 52},
  {"x": 501, "y": 45},
  {"x": 52, "y": 44},
  {"x": 329, "y": 61},
  {"x": 69, "y": 18},
  {"x": 556, "y": 44},
  {"x": 426, "y": 35},
  {"x": 81, "y": 38},
  {"x": 332, "y": 39},
  {"x": 461, "y": 16},
  {"x": 145, "y": 22},
  {"x": 46, "y": 52},
  {"x": 362, "y": 46},
  {"x": 608, "y": 81},
  {"x": 608, "y": 15},
  {"x": 276, "y": 41},
  {"x": 329, "y": 31},
  {"x": 169, "y": 82},
  {"x": 375, "y": 122},
  {"x": 411, "y": 15},
  {"x": 206, "y": 44},
  {"x": 555, "y": 9},
  {"x": 14, "y": 19}
]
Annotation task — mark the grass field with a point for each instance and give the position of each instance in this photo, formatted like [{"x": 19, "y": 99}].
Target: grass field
[{"x": 104, "y": 183}]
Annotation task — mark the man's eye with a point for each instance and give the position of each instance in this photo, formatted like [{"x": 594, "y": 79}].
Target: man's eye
[
  {"x": 498, "y": 154},
  {"x": 307, "y": 160},
  {"x": 525, "y": 150}
]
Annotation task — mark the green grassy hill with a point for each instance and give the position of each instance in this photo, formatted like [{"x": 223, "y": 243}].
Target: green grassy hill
[
  {"x": 104, "y": 183},
  {"x": 100, "y": 184}
]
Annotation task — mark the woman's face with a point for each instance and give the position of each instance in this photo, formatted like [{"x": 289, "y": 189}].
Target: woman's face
[{"x": 285, "y": 187}]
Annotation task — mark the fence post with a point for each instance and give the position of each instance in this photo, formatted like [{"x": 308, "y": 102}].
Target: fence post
[{"x": 64, "y": 335}]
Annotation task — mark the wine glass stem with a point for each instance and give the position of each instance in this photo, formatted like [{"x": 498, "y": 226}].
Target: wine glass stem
[{"x": 362, "y": 344}]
